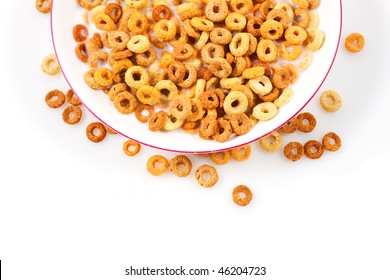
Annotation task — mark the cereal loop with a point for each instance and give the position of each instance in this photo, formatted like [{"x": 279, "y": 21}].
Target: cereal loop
[
  {"x": 43, "y": 6},
  {"x": 293, "y": 151},
  {"x": 331, "y": 101},
  {"x": 305, "y": 122},
  {"x": 220, "y": 157},
  {"x": 157, "y": 165},
  {"x": 55, "y": 99},
  {"x": 242, "y": 195},
  {"x": 72, "y": 115},
  {"x": 313, "y": 149},
  {"x": 241, "y": 153},
  {"x": 206, "y": 176},
  {"x": 50, "y": 65},
  {"x": 354, "y": 42},
  {"x": 96, "y": 132},
  {"x": 131, "y": 148},
  {"x": 180, "y": 165},
  {"x": 331, "y": 142},
  {"x": 272, "y": 142},
  {"x": 80, "y": 33}
]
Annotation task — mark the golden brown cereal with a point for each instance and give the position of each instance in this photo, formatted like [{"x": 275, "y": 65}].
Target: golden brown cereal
[
  {"x": 202, "y": 24},
  {"x": 289, "y": 51},
  {"x": 209, "y": 99},
  {"x": 96, "y": 132},
  {"x": 103, "y": 76},
  {"x": 241, "y": 153},
  {"x": 235, "y": 21},
  {"x": 206, "y": 175},
  {"x": 271, "y": 29},
  {"x": 71, "y": 98},
  {"x": 89, "y": 4},
  {"x": 131, "y": 148},
  {"x": 137, "y": 23},
  {"x": 95, "y": 57},
  {"x": 81, "y": 52},
  {"x": 148, "y": 95},
  {"x": 157, "y": 165},
  {"x": 180, "y": 107},
  {"x": 330, "y": 100},
  {"x": 282, "y": 78},
  {"x": 176, "y": 71},
  {"x": 253, "y": 26},
  {"x": 146, "y": 58},
  {"x": 136, "y": 76},
  {"x": 115, "y": 89},
  {"x": 272, "y": 142},
  {"x": 354, "y": 42},
  {"x": 220, "y": 68},
  {"x": 180, "y": 165},
  {"x": 72, "y": 115},
  {"x": 165, "y": 30},
  {"x": 301, "y": 18},
  {"x": 235, "y": 102},
  {"x": 183, "y": 51},
  {"x": 315, "y": 39},
  {"x": 55, "y": 98},
  {"x": 80, "y": 33},
  {"x": 43, "y": 6},
  {"x": 261, "y": 86},
  {"x": 239, "y": 45},
  {"x": 157, "y": 120},
  {"x": 242, "y": 195},
  {"x": 240, "y": 123},
  {"x": 223, "y": 130},
  {"x": 89, "y": 78},
  {"x": 253, "y": 73},
  {"x": 220, "y": 157},
  {"x": 50, "y": 65},
  {"x": 284, "y": 98},
  {"x": 303, "y": 4},
  {"x": 161, "y": 12},
  {"x": 125, "y": 102},
  {"x": 138, "y": 44},
  {"x": 293, "y": 151},
  {"x": 212, "y": 51},
  {"x": 288, "y": 127},
  {"x": 313, "y": 149},
  {"x": 267, "y": 51},
  {"x": 216, "y": 10},
  {"x": 331, "y": 142},
  {"x": 103, "y": 22},
  {"x": 265, "y": 111},
  {"x": 114, "y": 11},
  {"x": 208, "y": 126},
  {"x": 305, "y": 122},
  {"x": 144, "y": 108},
  {"x": 280, "y": 15},
  {"x": 295, "y": 34},
  {"x": 241, "y": 6}
]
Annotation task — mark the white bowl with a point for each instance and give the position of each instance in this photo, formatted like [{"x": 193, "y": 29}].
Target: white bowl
[{"x": 65, "y": 14}]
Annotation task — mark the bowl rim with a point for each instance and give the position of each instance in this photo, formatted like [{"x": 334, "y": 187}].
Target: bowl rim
[{"x": 205, "y": 151}]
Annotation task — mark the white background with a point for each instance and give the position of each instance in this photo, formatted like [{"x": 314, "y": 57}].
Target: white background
[{"x": 71, "y": 209}]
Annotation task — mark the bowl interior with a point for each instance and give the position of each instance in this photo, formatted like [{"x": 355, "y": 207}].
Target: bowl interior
[{"x": 65, "y": 14}]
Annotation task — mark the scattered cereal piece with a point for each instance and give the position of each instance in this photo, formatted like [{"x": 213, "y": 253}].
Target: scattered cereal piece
[
  {"x": 157, "y": 165},
  {"x": 71, "y": 98},
  {"x": 241, "y": 153},
  {"x": 50, "y": 65},
  {"x": 313, "y": 149},
  {"x": 242, "y": 195},
  {"x": 96, "y": 132},
  {"x": 331, "y": 142},
  {"x": 288, "y": 127},
  {"x": 220, "y": 157},
  {"x": 131, "y": 148},
  {"x": 331, "y": 101},
  {"x": 206, "y": 175},
  {"x": 305, "y": 122},
  {"x": 272, "y": 142},
  {"x": 180, "y": 165},
  {"x": 354, "y": 42},
  {"x": 72, "y": 115},
  {"x": 43, "y": 6},
  {"x": 293, "y": 151},
  {"x": 55, "y": 98}
]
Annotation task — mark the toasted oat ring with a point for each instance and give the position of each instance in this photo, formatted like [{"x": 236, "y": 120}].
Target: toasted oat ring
[
  {"x": 176, "y": 71},
  {"x": 88, "y": 4},
  {"x": 183, "y": 51},
  {"x": 290, "y": 54},
  {"x": 253, "y": 26},
  {"x": 266, "y": 7},
  {"x": 180, "y": 107},
  {"x": 354, "y": 42},
  {"x": 143, "y": 108},
  {"x": 240, "y": 123},
  {"x": 138, "y": 44},
  {"x": 248, "y": 92},
  {"x": 220, "y": 157},
  {"x": 295, "y": 34},
  {"x": 241, "y": 153},
  {"x": 241, "y": 6},
  {"x": 89, "y": 78},
  {"x": 172, "y": 123},
  {"x": 114, "y": 11},
  {"x": 96, "y": 132},
  {"x": 72, "y": 115},
  {"x": 55, "y": 98},
  {"x": 331, "y": 142},
  {"x": 180, "y": 165},
  {"x": 80, "y": 33},
  {"x": 202, "y": 24},
  {"x": 281, "y": 78},
  {"x": 313, "y": 149},
  {"x": 103, "y": 22},
  {"x": 137, "y": 23},
  {"x": 223, "y": 131},
  {"x": 220, "y": 67},
  {"x": 209, "y": 99},
  {"x": 212, "y": 51},
  {"x": 242, "y": 195},
  {"x": 239, "y": 45},
  {"x": 50, "y": 65},
  {"x": 146, "y": 58},
  {"x": 168, "y": 90},
  {"x": 305, "y": 122},
  {"x": 216, "y": 10},
  {"x": 157, "y": 165},
  {"x": 71, "y": 98},
  {"x": 272, "y": 142},
  {"x": 270, "y": 97},
  {"x": 315, "y": 39},
  {"x": 95, "y": 57},
  {"x": 148, "y": 95},
  {"x": 265, "y": 111},
  {"x": 253, "y": 72},
  {"x": 131, "y": 148},
  {"x": 279, "y": 15},
  {"x": 103, "y": 76},
  {"x": 271, "y": 29},
  {"x": 43, "y": 6},
  {"x": 81, "y": 52},
  {"x": 293, "y": 151},
  {"x": 208, "y": 126},
  {"x": 301, "y": 18},
  {"x": 125, "y": 102},
  {"x": 206, "y": 175},
  {"x": 267, "y": 51},
  {"x": 161, "y": 12},
  {"x": 136, "y": 76},
  {"x": 287, "y": 8},
  {"x": 115, "y": 89},
  {"x": 157, "y": 120},
  {"x": 165, "y": 30},
  {"x": 261, "y": 86},
  {"x": 331, "y": 101},
  {"x": 235, "y": 102},
  {"x": 235, "y": 21},
  {"x": 288, "y": 127}
]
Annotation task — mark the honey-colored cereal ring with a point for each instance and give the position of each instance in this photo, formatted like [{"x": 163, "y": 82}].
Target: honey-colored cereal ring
[
  {"x": 168, "y": 90},
  {"x": 131, "y": 148},
  {"x": 202, "y": 24},
  {"x": 266, "y": 7},
  {"x": 204, "y": 38},
  {"x": 240, "y": 123},
  {"x": 305, "y": 122},
  {"x": 235, "y": 102},
  {"x": 137, "y": 23},
  {"x": 165, "y": 30},
  {"x": 220, "y": 157},
  {"x": 231, "y": 82},
  {"x": 89, "y": 78},
  {"x": 43, "y": 6},
  {"x": 136, "y": 76},
  {"x": 267, "y": 51},
  {"x": 50, "y": 65},
  {"x": 241, "y": 153},
  {"x": 125, "y": 102},
  {"x": 81, "y": 52},
  {"x": 280, "y": 16},
  {"x": 253, "y": 26},
  {"x": 146, "y": 58},
  {"x": 281, "y": 78},
  {"x": 295, "y": 34},
  {"x": 314, "y": 4},
  {"x": 331, "y": 101},
  {"x": 223, "y": 131},
  {"x": 249, "y": 94},
  {"x": 289, "y": 51},
  {"x": 172, "y": 123},
  {"x": 293, "y": 151},
  {"x": 284, "y": 98},
  {"x": 161, "y": 12},
  {"x": 208, "y": 126},
  {"x": 190, "y": 76},
  {"x": 142, "y": 108},
  {"x": 96, "y": 132},
  {"x": 176, "y": 71},
  {"x": 216, "y": 10},
  {"x": 183, "y": 51},
  {"x": 157, "y": 165},
  {"x": 313, "y": 149},
  {"x": 235, "y": 21},
  {"x": 157, "y": 120},
  {"x": 148, "y": 95},
  {"x": 206, "y": 175},
  {"x": 118, "y": 40},
  {"x": 287, "y": 8},
  {"x": 97, "y": 39},
  {"x": 80, "y": 33},
  {"x": 211, "y": 51},
  {"x": 270, "y": 97},
  {"x": 180, "y": 107},
  {"x": 115, "y": 89},
  {"x": 239, "y": 45},
  {"x": 272, "y": 142},
  {"x": 103, "y": 76},
  {"x": 238, "y": 192},
  {"x": 241, "y": 6},
  {"x": 240, "y": 63},
  {"x": 89, "y": 5},
  {"x": 331, "y": 142},
  {"x": 71, "y": 98},
  {"x": 220, "y": 68},
  {"x": 138, "y": 44},
  {"x": 253, "y": 72},
  {"x": 265, "y": 111},
  {"x": 354, "y": 42},
  {"x": 55, "y": 98},
  {"x": 209, "y": 99},
  {"x": 197, "y": 110},
  {"x": 180, "y": 166},
  {"x": 190, "y": 30},
  {"x": 261, "y": 86},
  {"x": 103, "y": 22},
  {"x": 315, "y": 39},
  {"x": 271, "y": 29},
  {"x": 288, "y": 127},
  {"x": 301, "y": 18},
  {"x": 72, "y": 115},
  {"x": 114, "y": 11},
  {"x": 95, "y": 57}
]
